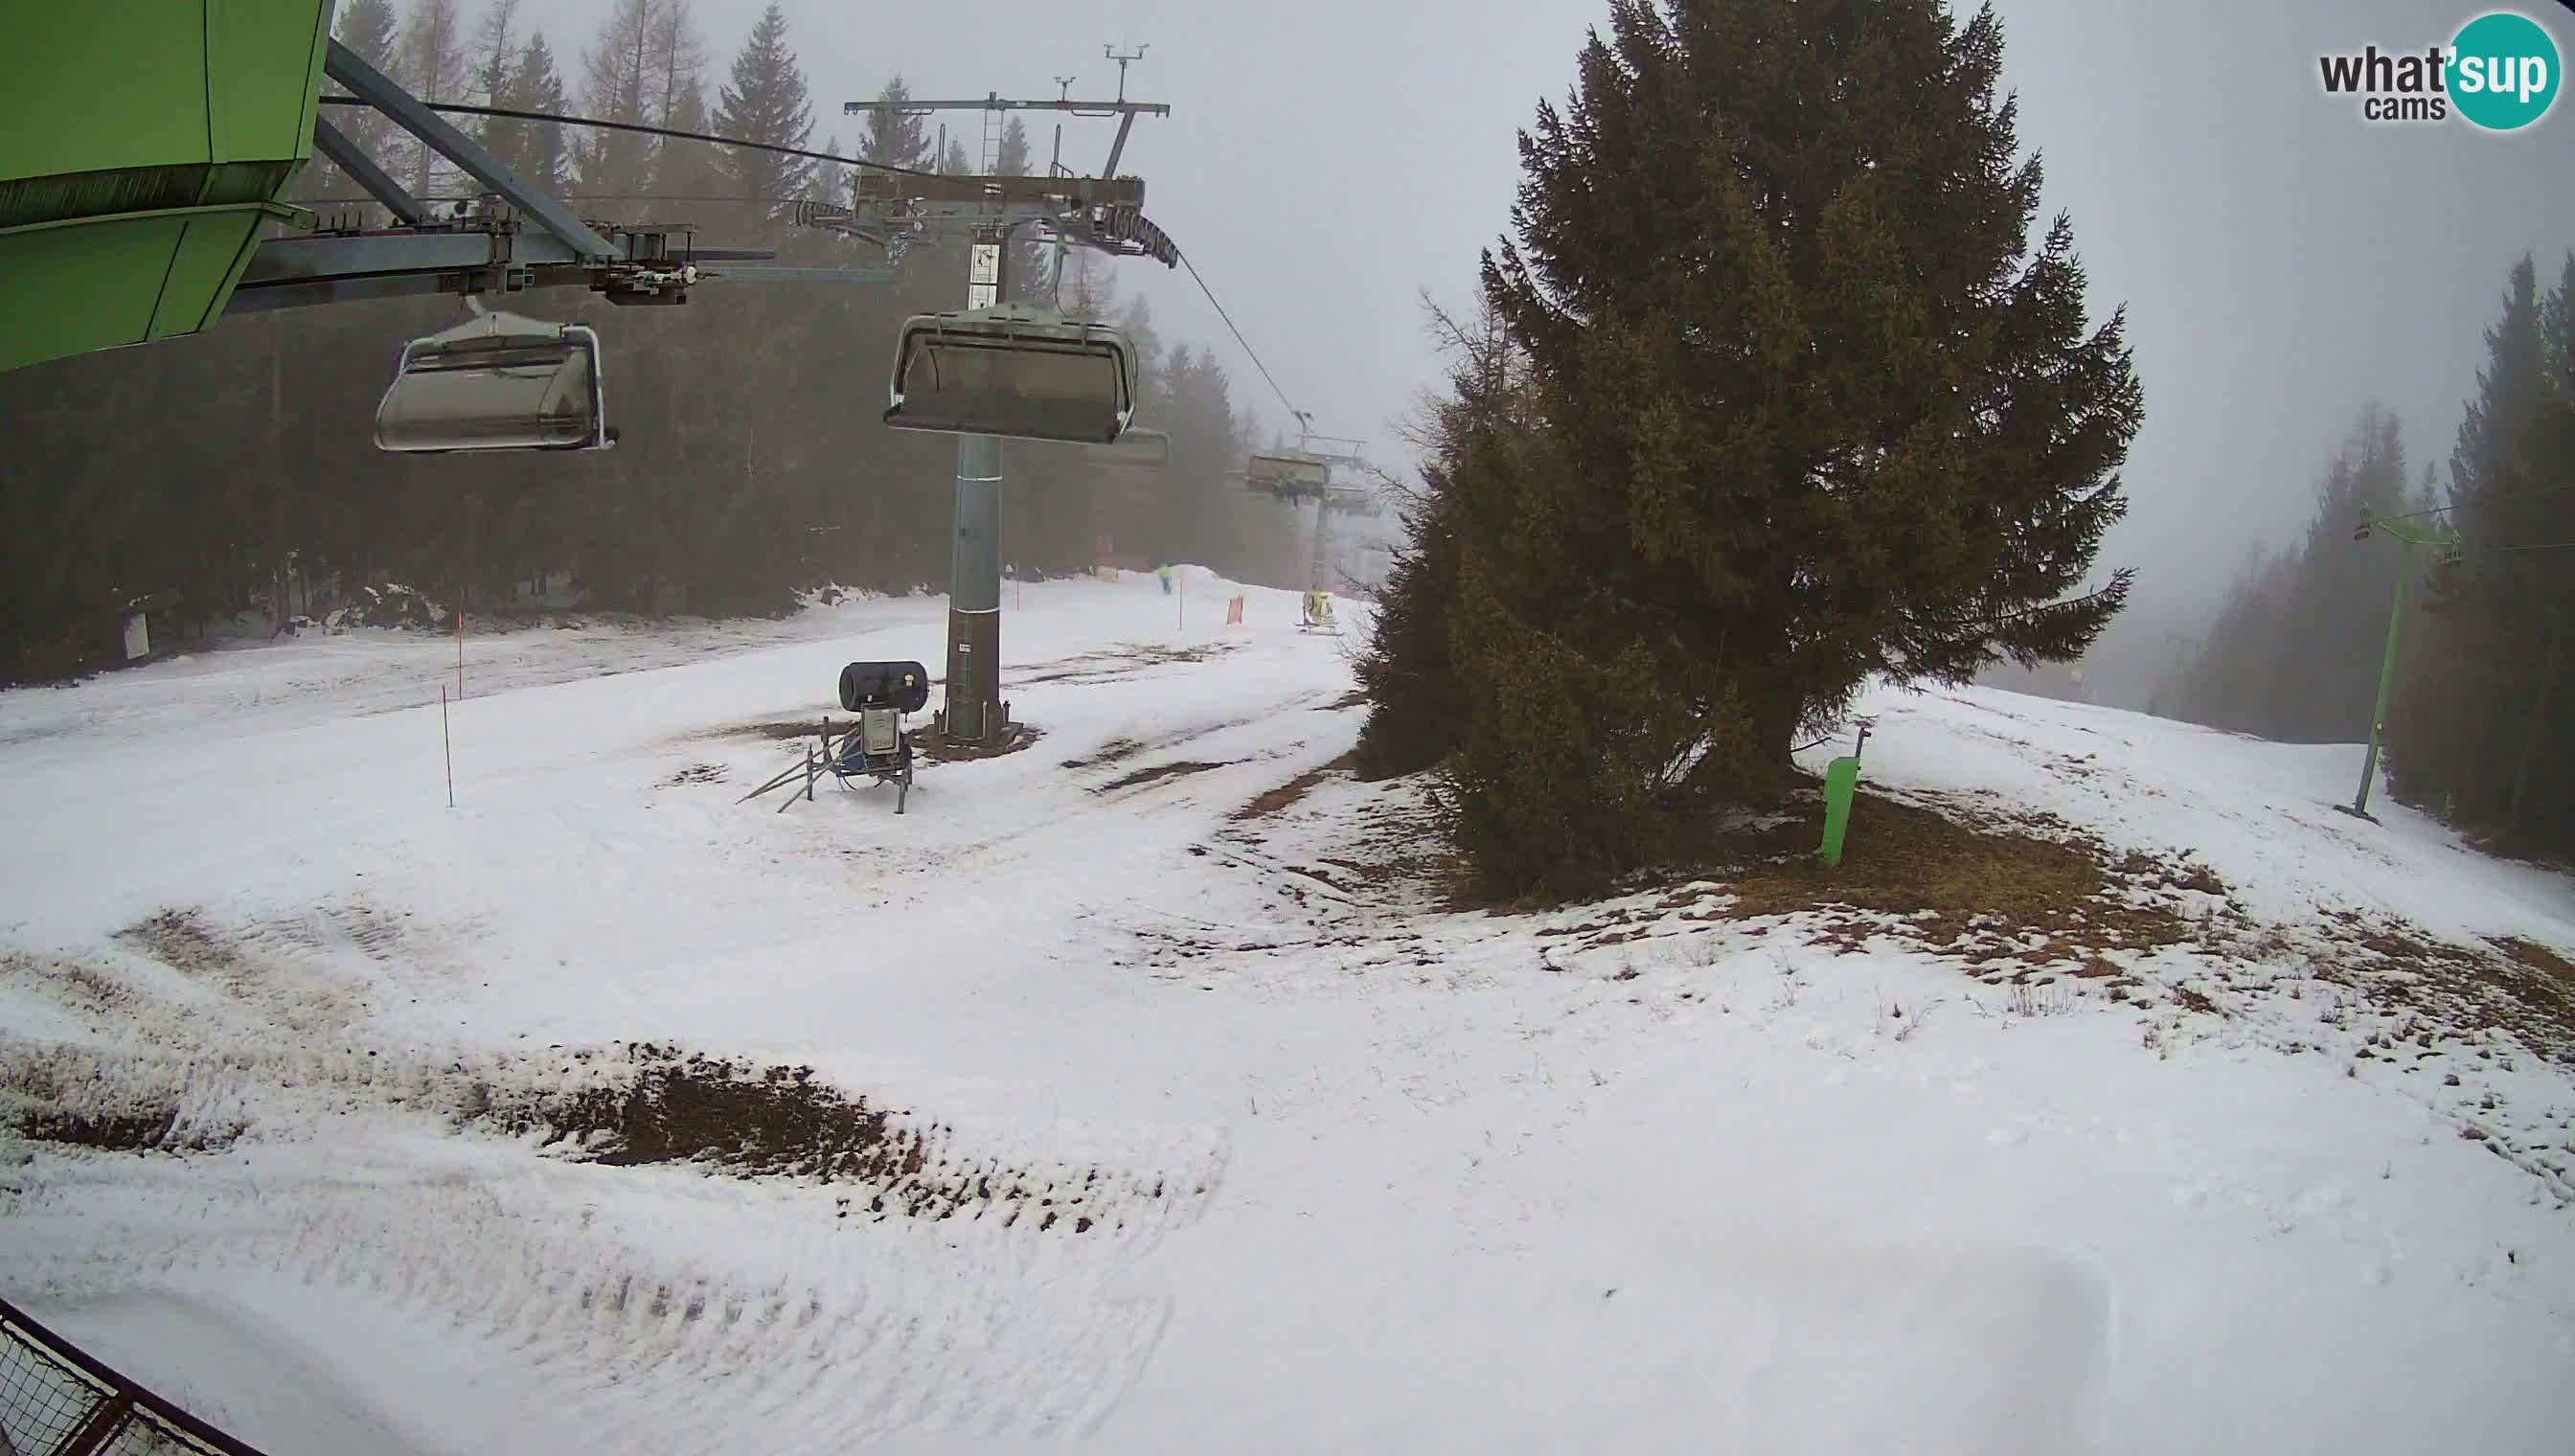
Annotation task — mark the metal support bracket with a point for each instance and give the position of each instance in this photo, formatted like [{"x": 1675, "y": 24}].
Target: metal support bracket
[
  {"x": 379, "y": 91},
  {"x": 379, "y": 184}
]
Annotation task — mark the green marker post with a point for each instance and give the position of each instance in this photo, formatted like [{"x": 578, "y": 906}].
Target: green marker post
[
  {"x": 2412, "y": 536},
  {"x": 1842, "y": 781}
]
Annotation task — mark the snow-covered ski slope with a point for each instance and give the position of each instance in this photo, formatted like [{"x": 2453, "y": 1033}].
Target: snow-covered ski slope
[{"x": 1191, "y": 1122}]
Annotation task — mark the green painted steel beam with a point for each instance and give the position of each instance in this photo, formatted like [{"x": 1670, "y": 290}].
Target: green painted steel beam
[{"x": 144, "y": 149}]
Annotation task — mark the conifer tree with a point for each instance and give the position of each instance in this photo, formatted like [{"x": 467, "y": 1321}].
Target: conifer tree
[
  {"x": 1816, "y": 406},
  {"x": 433, "y": 65},
  {"x": 1014, "y": 159},
  {"x": 535, "y": 85},
  {"x": 764, "y": 100},
  {"x": 2502, "y": 616},
  {"x": 495, "y": 59},
  {"x": 616, "y": 85},
  {"x": 895, "y": 138},
  {"x": 1826, "y": 319}
]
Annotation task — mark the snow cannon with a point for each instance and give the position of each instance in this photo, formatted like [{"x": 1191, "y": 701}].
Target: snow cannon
[{"x": 903, "y": 687}]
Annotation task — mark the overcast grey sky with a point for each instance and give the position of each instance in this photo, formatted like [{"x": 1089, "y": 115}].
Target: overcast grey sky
[{"x": 2282, "y": 260}]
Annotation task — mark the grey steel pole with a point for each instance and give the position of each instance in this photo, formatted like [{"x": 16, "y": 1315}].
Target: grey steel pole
[{"x": 973, "y": 693}]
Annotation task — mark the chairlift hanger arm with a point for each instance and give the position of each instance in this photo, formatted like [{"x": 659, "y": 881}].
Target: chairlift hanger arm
[
  {"x": 407, "y": 111},
  {"x": 1118, "y": 148}
]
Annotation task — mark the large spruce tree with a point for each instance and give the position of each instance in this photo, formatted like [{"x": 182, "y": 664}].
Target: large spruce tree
[
  {"x": 1816, "y": 406},
  {"x": 765, "y": 101}
]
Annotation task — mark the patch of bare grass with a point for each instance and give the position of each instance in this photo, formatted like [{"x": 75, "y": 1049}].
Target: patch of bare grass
[{"x": 2015, "y": 892}]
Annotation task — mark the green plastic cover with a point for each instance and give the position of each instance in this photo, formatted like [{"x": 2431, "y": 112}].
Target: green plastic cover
[{"x": 145, "y": 146}]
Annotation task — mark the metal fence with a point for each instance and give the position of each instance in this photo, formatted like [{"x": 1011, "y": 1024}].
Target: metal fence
[{"x": 57, "y": 1401}]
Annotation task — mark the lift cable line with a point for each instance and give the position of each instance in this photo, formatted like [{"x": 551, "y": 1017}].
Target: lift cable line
[
  {"x": 1248, "y": 350},
  {"x": 2500, "y": 550},
  {"x": 451, "y": 199},
  {"x": 513, "y": 113}
]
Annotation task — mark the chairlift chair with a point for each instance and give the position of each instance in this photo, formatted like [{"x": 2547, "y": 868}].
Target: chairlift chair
[
  {"x": 1135, "y": 452},
  {"x": 1014, "y": 372},
  {"x": 1352, "y": 501},
  {"x": 1290, "y": 476},
  {"x": 497, "y": 382}
]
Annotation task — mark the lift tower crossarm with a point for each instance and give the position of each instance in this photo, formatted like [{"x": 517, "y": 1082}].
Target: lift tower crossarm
[
  {"x": 1124, "y": 110},
  {"x": 999, "y": 103},
  {"x": 1032, "y": 192},
  {"x": 373, "y": 87}
]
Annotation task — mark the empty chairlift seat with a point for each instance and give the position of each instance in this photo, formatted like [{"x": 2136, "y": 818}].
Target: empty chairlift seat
[
  {"x": 1136, "y": 451},
  {"x": 1016, "y": 373},
  {"x": 497, "y": 382}
]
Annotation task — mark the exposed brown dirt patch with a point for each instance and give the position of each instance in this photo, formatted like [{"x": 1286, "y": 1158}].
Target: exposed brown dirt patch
[
  {"x": 67, "y": 982},
  {"x": 1114, "y": 751},
  {"x": 939, "y": 749},
  {"x": 145, "y": 1132},
  {"x": 777, "y": 729},
  {"x": 182, "y": 940},
  {"x": 742, "y": 1119},
  {"x": 1119, "y": 663},
  {"x": 1159, "y": 772},
  {"x": 658, "y": 1105},
  {"x": 2553, "y": 971},
  {"x": 2508, "y": 984},
  {"x": 1273, "y": 801},
  {"x": 51, "y": 1095},
  {"x": 2026, "y": 891}
]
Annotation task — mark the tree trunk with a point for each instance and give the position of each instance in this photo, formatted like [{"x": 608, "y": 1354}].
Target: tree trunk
[{"x": 2530, "y": 736}]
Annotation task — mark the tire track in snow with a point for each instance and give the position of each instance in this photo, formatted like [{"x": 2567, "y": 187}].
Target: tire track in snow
[
  {"x": 810, "y": 1317},
  {"x": 662, "y": 1310}
]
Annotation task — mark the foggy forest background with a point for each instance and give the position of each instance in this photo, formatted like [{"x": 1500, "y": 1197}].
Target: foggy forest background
[
  {"x": 225, "y": 475},
  {"x": 230, "y": 477},
  {"x": 2482, "y": 719}
]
